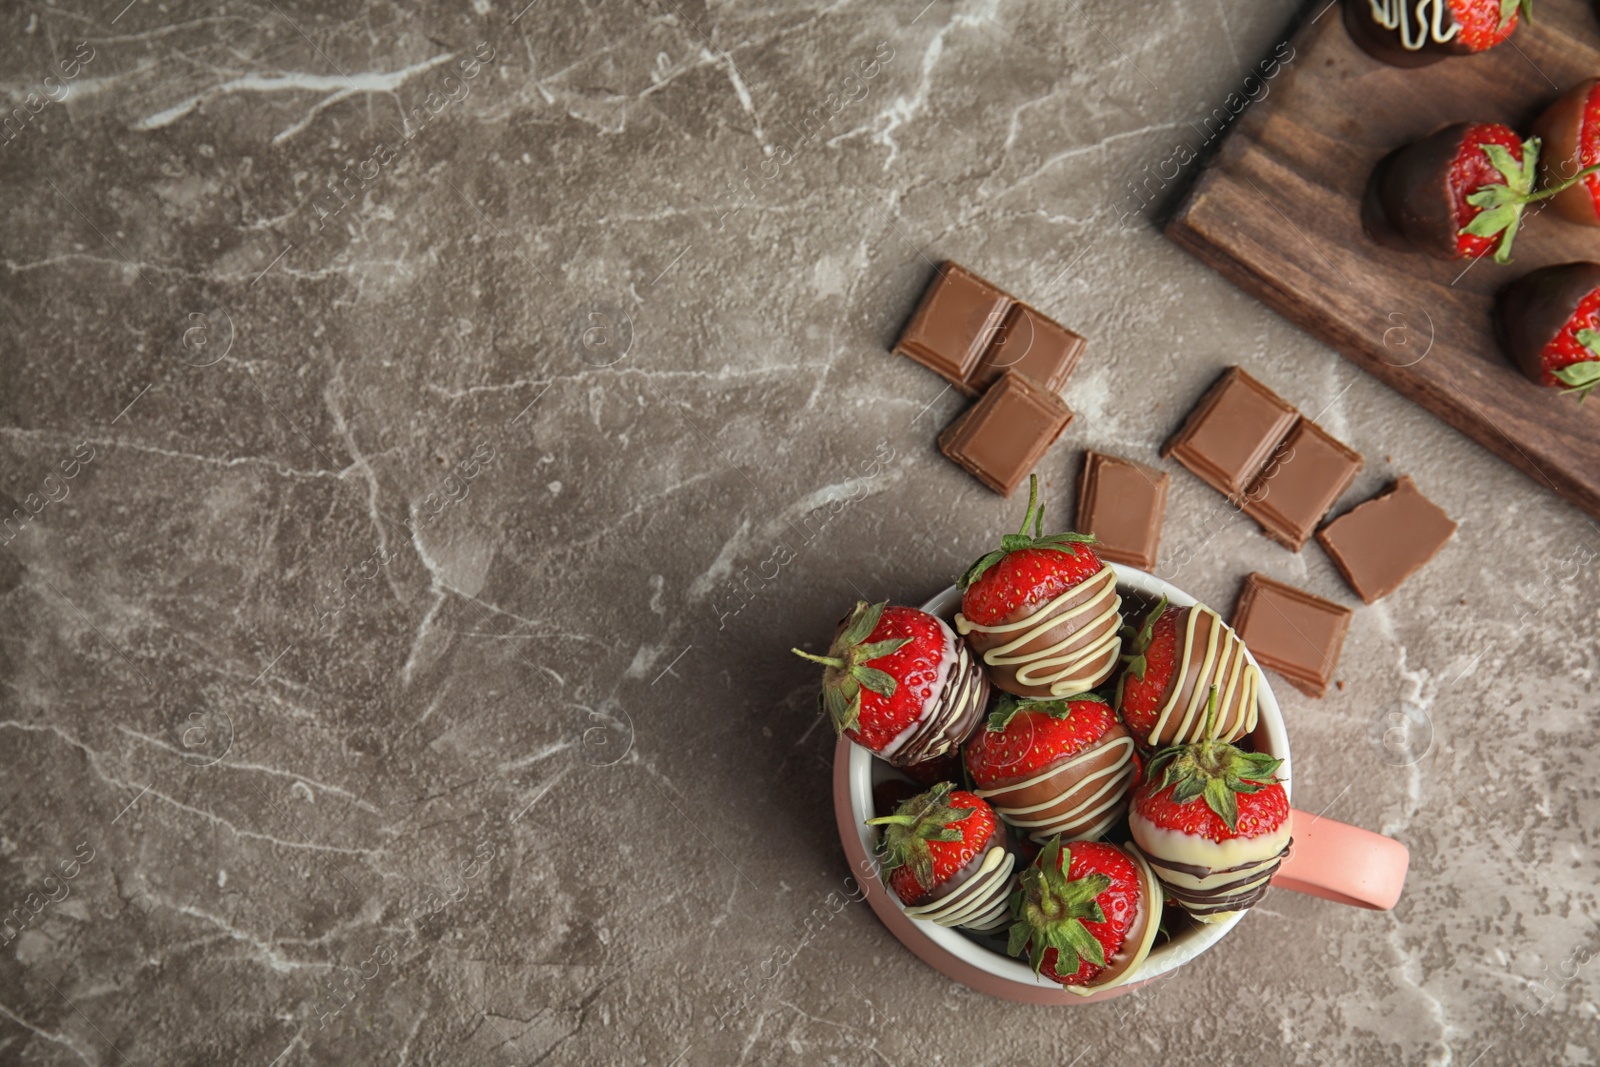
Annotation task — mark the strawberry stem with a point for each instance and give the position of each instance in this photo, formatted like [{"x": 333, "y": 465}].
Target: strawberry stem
[
  {"x": 1562, "y": 187},
  {"x": 826, "y": 661}
]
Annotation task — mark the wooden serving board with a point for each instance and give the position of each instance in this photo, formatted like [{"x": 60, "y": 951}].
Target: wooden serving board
[{"x": 1277, "y": 211}]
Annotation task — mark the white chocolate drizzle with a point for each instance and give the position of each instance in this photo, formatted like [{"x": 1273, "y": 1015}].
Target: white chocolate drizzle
[
  {"x": 1067, "y": 667},
  {"x": 1085, "y": 820},
  {"x": 1223, "y": 665},
  {"x": 1417, "y": 21},
  {"x": 980, "y": 902}
]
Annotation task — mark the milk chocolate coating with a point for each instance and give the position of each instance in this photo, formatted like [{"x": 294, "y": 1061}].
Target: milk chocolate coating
[
  {"x": 1236, "y": 711},
  {"x": 1069, "y": 786},
  {"x": 1407, "y": 203},
  {"x": 1004, "y": 676},
  {"x": 1384, "y": 44},
  {"x": 1533, "y": 309},
  {"x": 1561, "y": 130}
]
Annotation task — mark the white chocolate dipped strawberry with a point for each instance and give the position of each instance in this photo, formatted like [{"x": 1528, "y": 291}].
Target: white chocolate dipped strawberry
[
  {"x": 901, "y": 684},
  {"x": 1214, "y": 823},
  {"x": 1087, "y": 914},
  {"x": 1176, "y": 658},
  {"x": 948, "y": 859},
  {"x": 1054, "y": 767},
  {"x": 1042, "y": 610}
]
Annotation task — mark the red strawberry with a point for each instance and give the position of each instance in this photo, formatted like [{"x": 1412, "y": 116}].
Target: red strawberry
[
  {"x": 1486, "y": 23},
  {"x": 1459, "y": 192},
  {"x": 1214, "y": 822},
  {"x": 1054, "y": 768},
  {"x": 1177, "y": 656},
  {"x": 1043, "y": 610},
  {"x": 899, "y": 683},
  {"x": 1414, "y": 33},
  {"x": 945, "y": 854},
  {"x": 1550, "y": 325},
  {"x": 1086, "y": 914},
  {"x": 1570, "y": 130}
]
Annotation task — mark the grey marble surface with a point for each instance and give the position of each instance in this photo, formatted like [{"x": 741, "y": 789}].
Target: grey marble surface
[{"x": 400, "y": 673}]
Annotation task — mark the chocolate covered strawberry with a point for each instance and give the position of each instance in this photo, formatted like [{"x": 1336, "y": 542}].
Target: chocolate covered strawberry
[
  {"x": 1213, "y": 821},
  {"x": 900, "y": 683},
  {"x": 1458, "y": 193},
  {"x": 1177, "y": 657},
  {"x": 1570, "y": 132},
  {"x": 1042, "y": 610},
  {"x": 1054, "y": 767},
  {"x": 947, "y": 858},
  {"x": 1086, "y": 914},
  {"x": 1414, "y": 33},
  {"x": 1550, "y": 325}
]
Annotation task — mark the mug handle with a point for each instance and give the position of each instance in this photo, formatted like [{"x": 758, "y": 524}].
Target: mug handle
[{"x": 1336, "y": 861}]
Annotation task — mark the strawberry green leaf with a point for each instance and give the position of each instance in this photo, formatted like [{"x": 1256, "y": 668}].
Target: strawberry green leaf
[
  {"x": 1083, "y": 943},
  {"x": 878, "y": 649},
  {"x": 1022, "y": 539},
  {"x": 923, "y": 818},
  {"x": 862, "y": 622},
  {"x": 880, "y": 682},
  {"x": 1507, "y": 164},
  {"x": 1509, "y": 8},
  {"x": 1580, "y": 378},
  {"x": 1223, "y": 801},
  {"x": 1590, "y": 339}
]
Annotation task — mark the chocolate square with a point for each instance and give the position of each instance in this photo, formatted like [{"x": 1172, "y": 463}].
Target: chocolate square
[
  {"x": 1233, "y": 431},
  {"x": 1122, "y": 503},
  {"x": 1300, "y": 484},
  {"x": 1001, "y": 438},
  {"x": 956, "y": 320},
  {"x": 1292, "y": 632},
  {"x": 1032, "y": 344},
  {"x": 1379, "y": 544}
]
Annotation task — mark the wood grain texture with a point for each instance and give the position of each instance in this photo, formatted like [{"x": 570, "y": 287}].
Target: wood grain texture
[{"x": 1277, "y": 211}]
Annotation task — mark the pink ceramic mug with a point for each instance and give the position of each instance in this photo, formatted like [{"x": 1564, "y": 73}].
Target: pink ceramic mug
[{"x": 1329, "y": 859}]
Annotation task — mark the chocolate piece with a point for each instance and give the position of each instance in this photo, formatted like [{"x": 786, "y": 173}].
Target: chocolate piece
[
  {"x": 955, "y": 322},
  {"x": 1208, "y": 655},
  {"x": 1534, "y": 309},
  {"x": 1560, "y": 129},
  {"x": 1292, "y": 632},
  {"x": 1379, "y": 544},
  {"x": 1003, "y": 436},
  {"x": 1060, "y": 648},
  {"x": 1122, "y": 504},
  {"x": 1299, "y": 486},
  {"x": 1408, "y": 204},
  {"x": 1030, "y": 344},
  {"x": 1232, "y": 432}
]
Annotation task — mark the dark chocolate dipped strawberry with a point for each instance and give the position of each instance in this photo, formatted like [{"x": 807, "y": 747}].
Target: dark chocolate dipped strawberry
[
  {"x": 1177, "y": 657},
  {"x": 947, "y": 858},
  {"x": 1550, "y": 326},
  {"x": 1086, "y": 914},
  {"x": 1570, "y": 132},
  {"x": 900, "y": 683},
  {"x": 1042, "y": 610},
  {"x": 1054, "y": 767},
  {"x": 1415, "y": 33},
  {"x": 1214, "y": 823},
  {"x": 1458, "y": 193}
]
